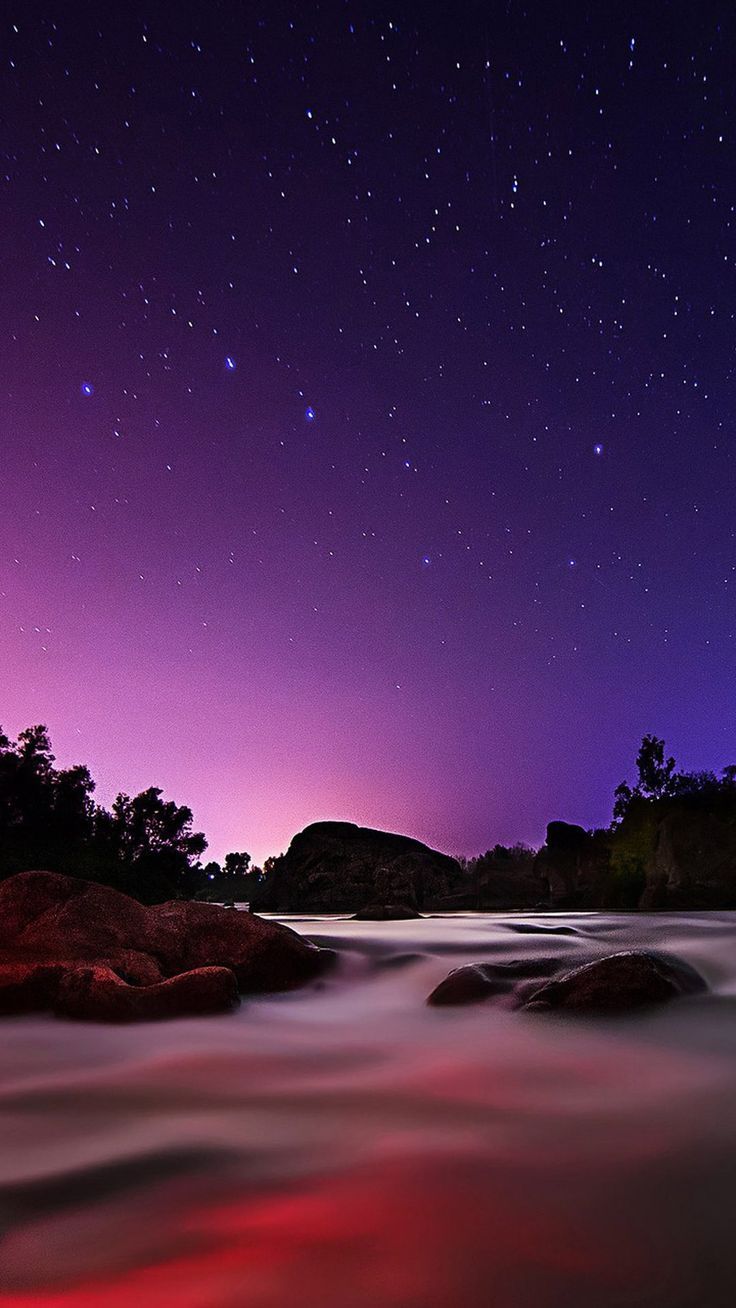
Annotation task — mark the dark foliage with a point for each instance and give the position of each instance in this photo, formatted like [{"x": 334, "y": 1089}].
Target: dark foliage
[
  {"x": 144, "y": 844},
  {"x": 672, "y": 843},
  {"x": 503, "y": 875}
]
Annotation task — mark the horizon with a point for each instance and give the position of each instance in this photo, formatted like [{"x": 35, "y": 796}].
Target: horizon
[{"x": 105, "y": 794}]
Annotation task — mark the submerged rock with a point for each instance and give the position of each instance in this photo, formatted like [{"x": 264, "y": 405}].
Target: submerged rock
[
  {"x": 51, "y": 924},
  {"x": 394, "y": 962},
  {"x": 533, "y": 929},
  {"x": 619, "y": 983},
  {"x": 386, "y": 913},
  {"x": 470, "y": 984},
  {"x": 474, "y": 982}
]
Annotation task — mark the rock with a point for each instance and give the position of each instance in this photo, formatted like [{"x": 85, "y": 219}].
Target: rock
[
  {"x": 531, "y": 929},
  {"x": 394, "y": 962},
  {"x": 263, "y": 955},
  {"x": 572, "y": 866},
  {"x": 96, "y": 993},
  {"x": 136, "y": 968},
  {"x": 470, "y": 984},
  {"x": 692, "y": 859},
  {"x": 50, "y": 923},
  {"x": 28, "y": 895},
  {"x": 82, "y": 920},
  {"x": 474, "y": 982},
  {"x": 619, "y": 983},
  {"x": 386, "y": 913},
  {"x": 337, "y": 867},
  {"x": 31, "y": 987},
  {"x": 28, "y": 987}
]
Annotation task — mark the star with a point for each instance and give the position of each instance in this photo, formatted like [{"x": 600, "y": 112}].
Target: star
[
  {"x": 309, "y": 413},
  {"x": 87, "y": 388},
  {"x": 230, "y": 363}
]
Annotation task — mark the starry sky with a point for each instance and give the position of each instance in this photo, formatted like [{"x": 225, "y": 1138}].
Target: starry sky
[{"x": 367, "y": 379}]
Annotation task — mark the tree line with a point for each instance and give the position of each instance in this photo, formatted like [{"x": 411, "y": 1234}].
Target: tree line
[
  {"x": 143, "y": 844},
  {"x": 146, "y": 846}
]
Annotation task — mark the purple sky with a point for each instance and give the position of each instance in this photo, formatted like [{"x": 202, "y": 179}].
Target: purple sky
[{"x": 458, "y": 526}]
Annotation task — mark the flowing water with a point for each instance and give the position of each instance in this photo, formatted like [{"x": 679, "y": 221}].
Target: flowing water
[{"x": 348, "y": 1147}]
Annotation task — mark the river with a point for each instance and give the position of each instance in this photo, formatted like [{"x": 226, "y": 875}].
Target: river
[{"x": 348, "y": 1147}]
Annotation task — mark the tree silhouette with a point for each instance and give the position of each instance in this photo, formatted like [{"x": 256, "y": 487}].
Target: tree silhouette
[
  {"x": 236, "y": 865},
  {"x": 48, "y": 819},
  {"x": 656, "y": 777}
]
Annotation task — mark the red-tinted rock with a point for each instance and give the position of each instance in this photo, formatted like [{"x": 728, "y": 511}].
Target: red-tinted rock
[
  {"x": 136, "y": 968},
  {"x": 59, "y": 921},
  {"x": 28, "y": 895},
  {"x": 80, "y": 920},
  {"x": 263, "y": 955},
  {"x": 31, "y": 987},
  {"x": 97, "y": 994},
  {"x": 619, "y": 983},
  {"x": 28, "y": 987}
]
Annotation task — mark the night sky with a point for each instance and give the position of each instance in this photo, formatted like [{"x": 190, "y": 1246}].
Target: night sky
[{"x": 367, "y": 381}]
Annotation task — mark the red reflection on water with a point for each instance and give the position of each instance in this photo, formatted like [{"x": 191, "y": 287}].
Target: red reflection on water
[{"x": 415, "y": 1233}]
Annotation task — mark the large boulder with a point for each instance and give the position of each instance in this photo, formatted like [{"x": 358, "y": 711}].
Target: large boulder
[
  {"x": 47, "y": 915},
  {"x": 337, "y": 867},
  {"x": 619, "y": 983},
  {"x": 52, "y": 926},
  {"x": 263, "y": 955}
]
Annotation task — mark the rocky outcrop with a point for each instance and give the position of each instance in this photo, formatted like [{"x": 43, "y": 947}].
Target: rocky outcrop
[
  {"x": 83, "y": 949},
  {"x": 571, "y": 867},
  {"x": 619, "y": 983},
  {"x": 676, "y": 853},
  {"x": 337, "y": 867},
  {"x": 692, "y": 863}
]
